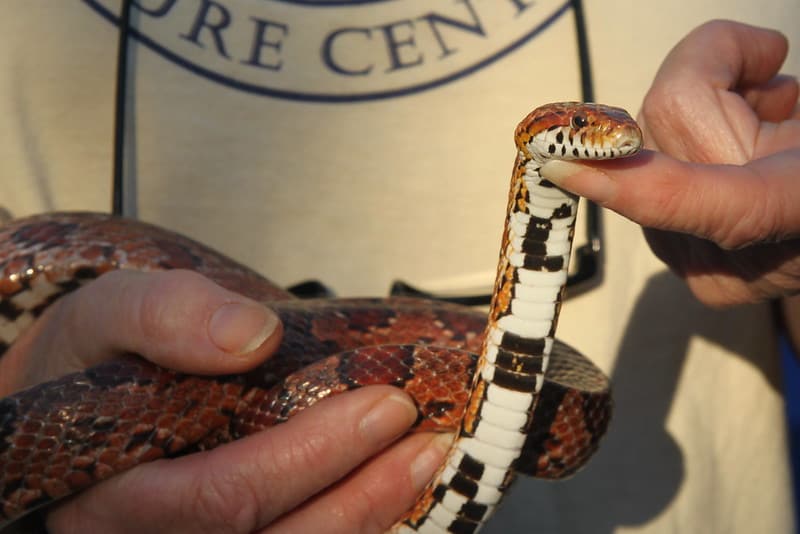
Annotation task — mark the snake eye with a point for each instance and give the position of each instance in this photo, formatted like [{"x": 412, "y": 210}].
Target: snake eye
[{"x": 579, "y": 121}]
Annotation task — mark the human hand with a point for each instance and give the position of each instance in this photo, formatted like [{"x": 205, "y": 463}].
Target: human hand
[
  {"x": 719, "y": 199},
  {"x": 152, "y": 314},
  {"x": 317, "y": 472}
]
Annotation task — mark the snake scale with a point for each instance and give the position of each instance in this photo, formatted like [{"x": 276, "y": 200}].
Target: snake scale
[{"x": 519, "y": 400}]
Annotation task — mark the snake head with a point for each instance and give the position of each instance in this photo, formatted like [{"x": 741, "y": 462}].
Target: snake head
[{"x": 576, "y": 130}]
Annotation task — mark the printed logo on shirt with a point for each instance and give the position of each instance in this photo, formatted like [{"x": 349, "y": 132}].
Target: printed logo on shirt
[{"x": 335, "y": 51}]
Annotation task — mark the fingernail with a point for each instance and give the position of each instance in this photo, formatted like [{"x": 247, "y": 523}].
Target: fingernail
[
  {"x": 241, "y": 327},
  {"x": 558, "y": 170},
  {"x": 389, "y": 418},
  {"x": 591, "y": 183},
  {"x": 429, "y": 460}
]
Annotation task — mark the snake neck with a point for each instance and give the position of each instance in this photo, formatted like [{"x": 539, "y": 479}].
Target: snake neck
[{"x": 531, "y": 276}]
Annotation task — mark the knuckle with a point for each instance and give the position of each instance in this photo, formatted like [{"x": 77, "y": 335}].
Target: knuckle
[
  {"x": 308, "y": 450},
  {"x": 667, "y": 96},
  {"x": 360, "y": 513},
  {"x": 166, "y": 300},
  {"x": 655, "y": 103},
  {"x": 715, "y": 27},
  {"x": 668, "y": 111},
  {"x": 729, "y": 237},
  {"x": 719, "y": 33},
  {"x": 761, "y": 220},
  {"x": 718, "y": 292},
  {"x": 660, "y": 206},
  {"x": 734, "y": 238},
  {"x": 224, "y": 503},
  {"x": 653, "y": 107}
]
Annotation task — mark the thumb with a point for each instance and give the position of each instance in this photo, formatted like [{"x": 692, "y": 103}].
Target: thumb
[
  {"x": 733, "y": 206},
  {"x": 177, "y": 319}
]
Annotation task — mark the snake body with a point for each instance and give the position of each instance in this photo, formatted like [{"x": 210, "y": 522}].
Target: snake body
[{"x": 519, "y": 400}]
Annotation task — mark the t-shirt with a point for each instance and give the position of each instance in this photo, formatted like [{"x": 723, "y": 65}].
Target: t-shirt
[{"x": 360, "y": 142}]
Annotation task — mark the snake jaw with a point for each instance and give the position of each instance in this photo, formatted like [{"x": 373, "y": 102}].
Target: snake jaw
[
  {"x": 573, "y": 131},
  {"x": 617, "y": 140}
]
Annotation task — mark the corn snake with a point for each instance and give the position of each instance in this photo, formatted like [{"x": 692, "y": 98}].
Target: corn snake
[{"x": 521, "y": 401}]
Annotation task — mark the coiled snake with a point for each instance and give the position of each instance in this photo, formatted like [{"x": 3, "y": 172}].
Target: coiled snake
[{"x": 520, "y": 401}]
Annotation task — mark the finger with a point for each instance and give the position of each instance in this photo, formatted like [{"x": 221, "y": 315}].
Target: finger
[
  {"x": 696, "y": 80},
  {"x": 734, "y": 206},
  {"x": 775, "y": 100},
  {"x": 774, "y": 138},
  {"x": 177, "y": 319},
  {"x": 243, "y": 486},
  {"x": 376, "y": 495},
  {"x": 726, "y": 55}
]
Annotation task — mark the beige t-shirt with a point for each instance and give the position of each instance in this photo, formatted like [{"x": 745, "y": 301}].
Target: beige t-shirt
[{"x": 362, "y": 142}]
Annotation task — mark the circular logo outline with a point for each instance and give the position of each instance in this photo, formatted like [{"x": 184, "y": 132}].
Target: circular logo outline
[
  {"x": 298, "y": 96},
  {"x": 334, "y": 3}
]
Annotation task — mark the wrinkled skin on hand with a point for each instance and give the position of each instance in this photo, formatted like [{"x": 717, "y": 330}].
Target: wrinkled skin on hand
[
  {"x": 336, "y": 467},
  {"x": 717, "y": 192}
]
